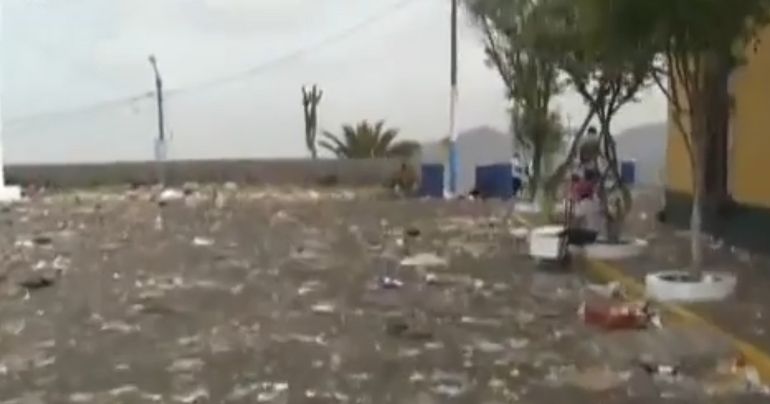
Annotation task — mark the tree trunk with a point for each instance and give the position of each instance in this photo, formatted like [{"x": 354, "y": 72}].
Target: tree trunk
[
  {"x": 537, "y": 163},
  {"x": 718, "y": 121},
  {"x": 696, "y": 216},
  {"x": 700, "y": 143}
]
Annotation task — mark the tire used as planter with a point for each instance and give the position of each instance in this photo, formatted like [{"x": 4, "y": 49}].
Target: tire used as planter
[
  {"x": 686, "y": 287},
  {"x": 602, "y": 250}
]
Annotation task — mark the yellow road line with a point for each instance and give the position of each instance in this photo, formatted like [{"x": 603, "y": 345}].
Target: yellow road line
[{"x": 754, "y": 355}]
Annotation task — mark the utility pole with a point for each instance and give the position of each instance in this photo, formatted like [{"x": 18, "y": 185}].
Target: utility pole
[
  {"x": 160, "y": 142},
  {"x": 453, "y": 104},
  {"x": 8, "y": 193}
]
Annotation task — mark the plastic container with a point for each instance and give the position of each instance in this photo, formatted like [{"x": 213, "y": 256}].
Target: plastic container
[
  {"x": 495, "y": 181},
  {"x": 628, "y": 172}
]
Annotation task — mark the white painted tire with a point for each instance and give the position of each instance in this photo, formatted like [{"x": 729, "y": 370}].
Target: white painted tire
[
  {"x": 610, "y": 252},
  {"x": 675, "y": 286}
]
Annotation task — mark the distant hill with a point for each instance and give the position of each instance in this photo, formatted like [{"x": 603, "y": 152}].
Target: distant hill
[{"x": 646, "y": 144}]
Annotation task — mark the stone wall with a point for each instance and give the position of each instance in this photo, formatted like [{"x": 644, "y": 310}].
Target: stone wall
[{"x": 355, "y": 173}]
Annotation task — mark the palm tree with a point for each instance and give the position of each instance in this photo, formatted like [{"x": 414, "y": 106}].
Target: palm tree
[{"x": 367, "y": 141}]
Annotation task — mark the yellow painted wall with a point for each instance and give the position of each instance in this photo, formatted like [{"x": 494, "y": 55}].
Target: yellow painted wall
[
  {"x": 678, "y": 172},
  {"x": 750, "y": 170},
  {"x": 750, "y": 158}
]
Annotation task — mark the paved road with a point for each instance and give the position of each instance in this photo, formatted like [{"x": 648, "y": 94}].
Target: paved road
[{"x": 246, "y": 296}]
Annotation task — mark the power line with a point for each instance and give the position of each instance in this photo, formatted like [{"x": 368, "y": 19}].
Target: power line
[
  {"x": 82, "y": 109},
  {"x": 253, "y": 71}
]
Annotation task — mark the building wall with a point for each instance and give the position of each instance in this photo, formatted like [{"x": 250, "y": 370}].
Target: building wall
[
  {"x": 750, "y": 150},
  {"x": 747, "y": 222},
  {"x": 258, "y": 172},
  {"x": 751, "y": 142}
]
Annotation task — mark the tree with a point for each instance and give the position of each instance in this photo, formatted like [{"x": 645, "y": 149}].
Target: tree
[
  {"x": 539, "y": 138},
  {"x": 368, "y": 141},
  {"x": 310, "y": 100},
  {"x": 531, "y": 81},
  {"x": 699, "y": 42},
  {"x": 606, "y": 72}
]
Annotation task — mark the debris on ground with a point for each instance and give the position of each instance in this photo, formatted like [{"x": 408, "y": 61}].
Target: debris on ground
[
  {"x": 203, "y": 242},
  {"x": 315, "y": 284},
  {"x": 37, "y": 281},
  {"x": 596, "y": 379},
  {"x": 424, "y": 260},
  {"x": 387, "y": 282},
  {"x": 611, "y": 290},
  {"x": 412, "y": 232},
  {"x": 170, "y": 195},
  {"x": 611, "y": 314}
]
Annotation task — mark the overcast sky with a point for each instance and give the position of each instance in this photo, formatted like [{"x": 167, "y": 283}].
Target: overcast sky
[{"x": 233, "y": 92}]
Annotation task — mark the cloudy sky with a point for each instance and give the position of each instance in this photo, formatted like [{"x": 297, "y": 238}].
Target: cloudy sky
[{"x": 76, "y": 78}]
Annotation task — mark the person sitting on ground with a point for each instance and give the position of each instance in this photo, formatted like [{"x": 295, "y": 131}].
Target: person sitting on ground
[{"x": 406, "y": 179}]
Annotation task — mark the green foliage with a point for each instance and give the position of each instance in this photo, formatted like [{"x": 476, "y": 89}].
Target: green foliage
[
  {"x": 700, "y": 42},
  {"x": 531, "y": 80},
  {"x": 367, "y": 141}
]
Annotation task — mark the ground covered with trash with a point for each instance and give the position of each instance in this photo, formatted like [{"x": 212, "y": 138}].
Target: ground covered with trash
[{"x": 219, "y": 295}]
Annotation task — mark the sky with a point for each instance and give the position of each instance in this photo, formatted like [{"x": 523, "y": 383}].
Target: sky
[{"x": 77, "y": 85}]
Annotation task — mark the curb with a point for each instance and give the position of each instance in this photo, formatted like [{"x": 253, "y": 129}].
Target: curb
[{"x": 754, "y": 355}]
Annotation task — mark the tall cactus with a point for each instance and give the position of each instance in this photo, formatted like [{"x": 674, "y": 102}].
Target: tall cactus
[{"x": 310, "y": 100}]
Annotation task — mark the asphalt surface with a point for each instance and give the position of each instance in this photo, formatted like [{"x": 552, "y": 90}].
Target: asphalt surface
[{"x": 254, "y": 296}]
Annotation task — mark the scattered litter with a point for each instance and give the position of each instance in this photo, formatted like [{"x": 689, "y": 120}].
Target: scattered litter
[
  {"x": 82, "y": 397},
  {"x": 448, "y": 384},
  {"x": 127, "y": 389},
  {"x": 323, "y": 308},
  {"x": 387, "y": 282},
  {"x": 518, "y": 343},
  {"x": 197, "y": 395},
  {"x": 597, "y": 379},
  {"x": 412, "y": 232},
  {"x": 37, "y": 281},
  {"x": 520, "y": 233},
  {"x": 416, "y": 377},
  {"x": 271, "y": 391},
  {"x": 488, "y": 346},
  {"x": 612, "y": 315},
  {"x": 42, "y": 240},
  {"x": 186, "y": 365},
  {"x": 489, "y": 322},
  {"x": 658, "y": 370},
  {"x": 119, "y": 326},
  {"x": 424, "y": 260},
  {"x": 170, "y": 195},
  {"x": 403, "y": 329},
  {"x": 14, "y": 327},
  {"x": 203, "y": 242},
  {"x": 611, "y": 290},
  {"x": 309, "y": 287}
]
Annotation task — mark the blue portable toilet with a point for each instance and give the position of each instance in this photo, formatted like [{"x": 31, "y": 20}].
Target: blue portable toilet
[
  {"x": 494, "y": 181},
  {"x": 628, "y": 172},
  {"x": 432, "y": 181}
]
